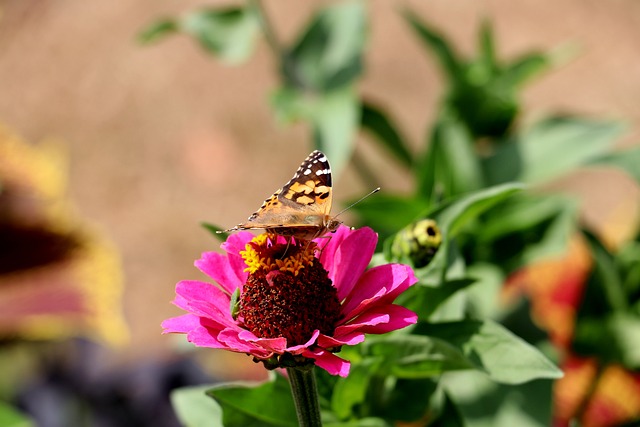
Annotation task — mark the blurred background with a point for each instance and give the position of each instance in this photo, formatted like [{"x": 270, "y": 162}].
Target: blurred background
[{"x": 153, "y": 140}]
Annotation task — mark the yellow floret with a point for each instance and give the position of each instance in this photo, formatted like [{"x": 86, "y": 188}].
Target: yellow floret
[{"x": 258, "y": 255}]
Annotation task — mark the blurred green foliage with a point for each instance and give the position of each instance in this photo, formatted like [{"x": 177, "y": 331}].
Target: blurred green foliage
[
  {"x": 10, "y": 417},
  {"x": 478, "y": 175}
]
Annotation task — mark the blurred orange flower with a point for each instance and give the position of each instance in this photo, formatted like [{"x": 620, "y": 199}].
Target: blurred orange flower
[
  {"x": 554, "y": 287},
  {"x": 597, "y": 396}
]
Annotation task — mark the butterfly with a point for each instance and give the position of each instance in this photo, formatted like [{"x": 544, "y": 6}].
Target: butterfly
[{"x": 301, "y": 208}]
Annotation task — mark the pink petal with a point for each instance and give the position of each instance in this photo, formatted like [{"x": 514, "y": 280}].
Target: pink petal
[
  {"x": 231, "y": 338},
  {"x": 340, "y": 339},
  {"x": 380, "y": 320},
  {"x": 200, "y": 335},
  {"x": 401, "y": 317},
  {"x": 237, "y": 242},
  {"x": 205, "y": 300},
  {"x": 378, "y": 286},
  {"x": 180, "y": 324},
  {"x": 274, "y": 345},
  {"x": 194, "y": 290},
  {"x": 350, "y": 258},
  {"x": 203, "y": 337},
  {"x": 199, "y": 331},
  {"x": 328, "y": 245},
  {"x": 297, "y": 349},
  {"x": 225, "y": 270},
  {"x": 233, "y": 246},
  {"x": 329, "y": 362}
]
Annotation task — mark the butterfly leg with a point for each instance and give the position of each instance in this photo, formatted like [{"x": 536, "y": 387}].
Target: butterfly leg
[
  {"x": 328, "y": 237},
  {"x": 308, "y": 244},
  {"x": 289, "y": 240}
]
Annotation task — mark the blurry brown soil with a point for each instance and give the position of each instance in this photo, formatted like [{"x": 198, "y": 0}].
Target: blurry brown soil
[{"x": 163, "y": 137}]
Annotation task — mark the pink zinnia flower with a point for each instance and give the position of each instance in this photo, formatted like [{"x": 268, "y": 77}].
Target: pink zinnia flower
[{"x": 292, "y": 309}]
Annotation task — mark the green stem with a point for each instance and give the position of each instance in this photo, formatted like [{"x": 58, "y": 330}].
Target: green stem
[
  {"x": 305, "y": 396},
  {"x": 280, "y": 53},
  {"x": 267, "y": 28}
]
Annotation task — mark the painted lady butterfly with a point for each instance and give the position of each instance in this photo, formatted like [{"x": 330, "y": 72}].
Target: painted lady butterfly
[{"x": 301, "y": 208}]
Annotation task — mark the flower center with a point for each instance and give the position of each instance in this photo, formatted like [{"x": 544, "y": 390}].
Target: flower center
[{"x": 288, "y": 293}]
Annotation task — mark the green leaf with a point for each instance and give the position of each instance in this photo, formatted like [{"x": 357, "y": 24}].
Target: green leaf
[
  {"x": 483, "y": 297},
  {"x": 449, "y": 416},
  {"x": 625, "y": 330},
  {"x": 328, "y": 55},
  {"x": 325, "y": 383},
  {"x": 477, "y": 95},
  {"x": 491, "y": 348},
  {"x": 262, "y": 404},
  {"x": 613, "y": 339},
  {"x": 158, "y": 30},
  {"x": 229, "y": 33},
  {"x": 528, "y": 228},
  {"x": 446, "y": 267},
  {"x": 524, "y": 68},
  {"x": 215, "y": 231},
  {"x": 523, "y": 212},
  {"x": 415, "y": 356},
  {"x": 451, "y": 166},
  {"x": 606, "y": 325},
  {"x": 449, "y": 61},
  {"x": 374, "y": 120},
  {"x": 363, "y": 422},
  {"x": 593, "y": 337},
  {"x": 627, "y": 259},
  {"x": 425, "y": 300},
  {"x": 387, "y": 213},
  {"x": 481, "y": 93},
  {"x": 234, "y": 304},
  {"x": 487, "y": 49},
  {"x": 627, "y": 160},
  {"x": 333, "y": 116},
  {"x": 484, "y": 104},
  {"x": 556, "y": 237},
  {"x": 606, "y": 276},
  {"x": 484, "y": 403},
  {"x": 551, "y": 148},
  {"x": 11, "y": 417},
  {"x": 350, "y": 392},
  {"x": 335, "y": 122},
  {"x": 453, "y": 215},
  {"x": 194, "y": 408},
  {"x": 408, "y": 399}
]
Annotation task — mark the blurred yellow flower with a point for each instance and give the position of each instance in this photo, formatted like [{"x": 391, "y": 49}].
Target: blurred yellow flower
[{"x": 59, "y": 277}]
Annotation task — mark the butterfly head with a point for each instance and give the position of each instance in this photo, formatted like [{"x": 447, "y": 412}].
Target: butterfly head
[{"x": 332, "y": 225}]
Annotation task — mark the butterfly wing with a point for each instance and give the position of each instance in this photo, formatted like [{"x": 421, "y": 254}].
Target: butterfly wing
[
  {"x": 310, "y": 188},
  {"x": 304, "y": 201}
]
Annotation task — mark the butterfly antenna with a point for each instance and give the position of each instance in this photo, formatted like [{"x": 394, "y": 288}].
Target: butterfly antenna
[{"x": 374, "y": 191}]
